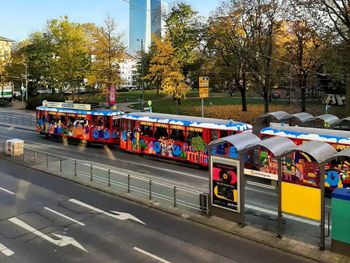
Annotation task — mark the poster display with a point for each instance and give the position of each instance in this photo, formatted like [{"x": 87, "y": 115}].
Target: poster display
[
  {"x": 224, "y": 175},
  {"x": 111, "y": 95}
]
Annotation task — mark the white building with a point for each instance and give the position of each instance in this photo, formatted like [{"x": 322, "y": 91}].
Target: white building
[{"x": 128, "y": 70}]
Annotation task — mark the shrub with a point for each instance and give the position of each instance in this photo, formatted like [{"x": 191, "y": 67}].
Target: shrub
[{"x": 36, "y": 101}]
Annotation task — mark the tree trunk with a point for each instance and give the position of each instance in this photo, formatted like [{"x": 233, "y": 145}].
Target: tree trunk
[
  {"x": 347, "y": 84},
  {"x": 303, "y": 99},
  {"x": 244, "y": 99},
  {"x": 266, "y": 100}
]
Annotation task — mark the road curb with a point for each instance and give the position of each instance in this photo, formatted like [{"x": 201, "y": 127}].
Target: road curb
[
  {"x": 247, "y": 232},
  {"x": 17, "y": 127}
]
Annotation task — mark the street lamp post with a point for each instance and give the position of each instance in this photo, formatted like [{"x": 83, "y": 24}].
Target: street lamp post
[
  {"x": 26, "y": 66},
  {"x": 142, "y": 83}
]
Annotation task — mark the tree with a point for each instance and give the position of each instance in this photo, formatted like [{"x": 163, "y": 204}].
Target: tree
[
  {"x": 72, "y": 61},
  {"x": 165, "y": 68},
  {"x": 183, "y": 28},
  {"x": 226, "y": 45},
  {"x": 106, "y": 48},
  {"x": 333, "y": 17},
  {"x": 39, "y": 58}
]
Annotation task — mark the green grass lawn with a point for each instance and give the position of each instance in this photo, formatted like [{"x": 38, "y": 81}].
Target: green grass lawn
[
  {"x": 128, "y": 96},
  {"x": 168, "y": 105}
]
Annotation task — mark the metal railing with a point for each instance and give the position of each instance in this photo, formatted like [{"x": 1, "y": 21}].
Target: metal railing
[
  {"x": 18, "y": 120},
  {"x": 118, "y": 181}
]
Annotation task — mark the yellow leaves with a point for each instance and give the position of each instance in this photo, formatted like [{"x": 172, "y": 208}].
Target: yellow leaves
[{"x": 165, "y": 69}]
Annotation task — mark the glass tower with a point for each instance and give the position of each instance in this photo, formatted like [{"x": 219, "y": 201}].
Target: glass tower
[{"x": 145, "y": 19}]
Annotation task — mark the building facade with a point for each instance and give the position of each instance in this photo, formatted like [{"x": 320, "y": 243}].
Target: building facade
[
  {"x": 5, "y": 47},
  {"x": 128, "y": 71},
  {"x": 145, "y": 18}
]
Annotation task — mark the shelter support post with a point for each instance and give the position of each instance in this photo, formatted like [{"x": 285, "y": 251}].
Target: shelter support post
[
  {"x": 322, "y": 225},
  {"x": 279, "y": 195},
  {"x": 242, "y": 189}
]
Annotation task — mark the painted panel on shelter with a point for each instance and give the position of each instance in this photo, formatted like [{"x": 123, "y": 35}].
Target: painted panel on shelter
[{"x": 301, "y": 200}]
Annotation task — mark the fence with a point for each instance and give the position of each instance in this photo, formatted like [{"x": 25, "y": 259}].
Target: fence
[
  {"x": 117, "y": 181},
  {"x": 18, "y": 120}
]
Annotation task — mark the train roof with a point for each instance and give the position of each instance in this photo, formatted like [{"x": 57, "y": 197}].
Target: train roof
[
  {"x": 305, "y": 133},
  {"x": 102, "y": 112},
  {"x": 190, "y": 121}
]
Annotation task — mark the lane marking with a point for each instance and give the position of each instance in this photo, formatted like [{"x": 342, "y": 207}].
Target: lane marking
[
  {"x": 62, "y": 241},
  {"x": 151, "y": 255},
  {"x": 64, "y": 216},
  {"x": 115, "y": 214},
  {"x": 7, "y": 191},
  {"x": 6, "y": 251}
]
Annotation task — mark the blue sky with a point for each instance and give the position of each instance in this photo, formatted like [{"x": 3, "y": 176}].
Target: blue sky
[{"x": 21, "y": 17}]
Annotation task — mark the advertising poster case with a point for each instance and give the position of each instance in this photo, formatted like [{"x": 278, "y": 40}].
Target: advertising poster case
[{"x": 225, "y": 183}]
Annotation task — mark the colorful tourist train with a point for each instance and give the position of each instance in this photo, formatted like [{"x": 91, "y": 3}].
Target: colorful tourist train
[
  {"x": 182, "y": 138},
  {"x": 299, "y": 167},
  {"x": 186, "y": 139},
  {"x": 78, "y": 122}
]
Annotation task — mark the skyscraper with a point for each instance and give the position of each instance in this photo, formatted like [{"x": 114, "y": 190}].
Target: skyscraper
[{"x": 145, "y": 19}]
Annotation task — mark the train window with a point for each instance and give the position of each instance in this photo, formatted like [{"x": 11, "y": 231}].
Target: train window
[
  {"x": 107, "y": 122},
  {"x": 213, "y": 135},
  {"x": 116, "y": 123},
  {"x": 192, "y": 134},
  {"x": 177, "y": 135},
  {"x": 223, "y": 134},
  {"x": 161, "y": 132},
  {"x": 146, "y": 130}
]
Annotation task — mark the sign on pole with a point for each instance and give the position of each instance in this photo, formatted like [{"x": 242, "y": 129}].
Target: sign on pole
[
  {"x": 203, "y": 82},
  {"x": 203, "y": 93}
]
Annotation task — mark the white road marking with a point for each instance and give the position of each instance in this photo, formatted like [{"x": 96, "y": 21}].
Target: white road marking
[
  {"x": 118, "y": 215},
  {"x": 6, "y": 251},
  {"x": 64, "y": 216},
  {"x": 151, "y": 255},
  {"x": 7, "y": 191},
  {"x": 61, "y": 242}
]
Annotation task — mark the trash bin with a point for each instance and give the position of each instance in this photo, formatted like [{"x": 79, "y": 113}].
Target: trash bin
[{"x": 340, "y": 221}]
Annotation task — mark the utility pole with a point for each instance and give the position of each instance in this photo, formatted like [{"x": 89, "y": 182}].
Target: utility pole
[
  {"x": 26, "y": 66},
  {"x": 142, "y": 75}
]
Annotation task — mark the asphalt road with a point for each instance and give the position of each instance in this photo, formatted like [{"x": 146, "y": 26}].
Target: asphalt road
[{"x": 36, "y": 213}]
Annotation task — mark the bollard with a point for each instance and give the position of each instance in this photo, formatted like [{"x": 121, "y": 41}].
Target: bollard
[
  {"x": 128, "y": 183},
  {"x": 174, "y": 196},
  {"x": 60, "y": 165},
  {"x": 91, "y": 172},
  {"x": 75, "y": 167},
  {"x": 34, "y": 157},
  {"x": 109, "y": 177},
  {"x": 47, "y": 161},
  {"x": 150, "y": 189}
]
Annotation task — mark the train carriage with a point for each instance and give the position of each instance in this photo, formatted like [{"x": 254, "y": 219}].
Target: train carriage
[
  {"x": 178, "y": 137},
  {"x": 299, "y": 167},
  {"x": 91, "y": 126}
]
